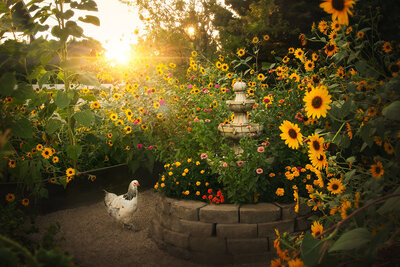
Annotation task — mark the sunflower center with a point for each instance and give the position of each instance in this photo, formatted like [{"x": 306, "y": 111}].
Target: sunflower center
[
  {"x": 330, "y": 47},
  {"x": 316, "y": 145},
  {"x": 338, "y": 4},
  {"x": 292, "y": 134},
  {"x": 316, "y": 102},
  {"x": 377, "y": 169},
  {"x": 320, "y": 158},
  {"x": 335, "y": 187}
]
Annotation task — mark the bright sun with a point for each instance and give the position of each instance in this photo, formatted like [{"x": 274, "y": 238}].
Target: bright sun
[
  {"x": 118, "y": 51},
  {"x": 191, "y": 31}
]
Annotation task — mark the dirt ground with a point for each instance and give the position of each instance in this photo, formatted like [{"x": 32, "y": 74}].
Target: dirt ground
[{"x": 95, "y": 239}]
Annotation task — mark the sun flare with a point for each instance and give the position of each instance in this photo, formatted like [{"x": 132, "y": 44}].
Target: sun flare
[{"x": 120, "y": 52}]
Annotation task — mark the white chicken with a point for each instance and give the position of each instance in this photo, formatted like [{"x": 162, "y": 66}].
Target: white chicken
[{"x": 123, "y": 207}]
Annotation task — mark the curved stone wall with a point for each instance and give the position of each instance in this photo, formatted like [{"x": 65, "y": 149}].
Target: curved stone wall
[{"x": 218, "y": 234}]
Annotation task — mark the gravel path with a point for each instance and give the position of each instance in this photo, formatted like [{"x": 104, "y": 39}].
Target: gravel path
[{"x": 95, "y": 239}]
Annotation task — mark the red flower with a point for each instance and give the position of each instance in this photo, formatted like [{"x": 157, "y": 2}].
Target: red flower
[
  {"x": 210, "y": 197},
  {"x": 204, "y": 197},
  {"x": 209, "y": 191}
]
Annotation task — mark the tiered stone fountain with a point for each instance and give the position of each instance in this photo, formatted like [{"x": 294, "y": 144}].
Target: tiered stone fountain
[{"x": 240, "y": 127}]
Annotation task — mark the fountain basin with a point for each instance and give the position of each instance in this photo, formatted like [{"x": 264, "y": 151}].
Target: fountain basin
[
  {"x": 238, "y": 131},
  {"x": 240, "y": 106}
]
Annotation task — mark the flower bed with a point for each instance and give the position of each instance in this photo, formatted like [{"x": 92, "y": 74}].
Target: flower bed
[{"x": 227, "y": 233}]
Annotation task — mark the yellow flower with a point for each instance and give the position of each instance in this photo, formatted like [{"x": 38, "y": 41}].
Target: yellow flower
[
  {"x": 317, "y": 102},
  {"x": 39, "y": 147},
  {"x": 280, "y": 192},
  {"x": 46, "y": 153},
  {"x": 241, "y": 52},
  {"x": 387, "y": 47},
  {"x": 340, "y": 9},
  {"x": 335, "y": 186},
  {"x": 116, "y": 96},
  {"x": 128, "y": 129},
  {"x": 291, "y": 134},
  {"x": 198, "y": 183},
  {"x": 377, "y": 170},
  {"x": 266, "y": 37},
  {"x": 170, "y": 173},
  {"x": 316, "y": 229},
  {"x": 25, "y": 202},
  {"x": 70, "y": 172},
  {"x": 55, "y": 159},
  {"x": 95, "y": 105},
  {"x": 162, "y": 185},
  {"x": 316, "y": 144},
  {"x": 10, "y": 197},
  {"x": 260, "y": 76},
  {"x": 309, "y": 65},
  {"x": 156, "y": 105},
  {"x": 255, "y": 40},
  {"x": 194, "y": 53},
  {"x": 299, "y": 53},
  {"x": 318, "y": 160},
  {"x": 113, "y": 117}
]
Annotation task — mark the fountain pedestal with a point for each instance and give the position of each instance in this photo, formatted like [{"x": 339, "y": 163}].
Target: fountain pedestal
[{"x": 240, "y": 127}]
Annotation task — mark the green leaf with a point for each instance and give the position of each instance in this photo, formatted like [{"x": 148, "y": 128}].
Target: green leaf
[
  {"x": 74, "y": 151},
  {"x": 392, "y": 204},
  {"x": 89, "y": 5},
  {"x": 310, "y": 250},
  {"x": 22, "y": 128},
  {"x": 61, "y": 99},
  {"x": 7, "y": 83},
  {"x": 53, "y": 125},
  {"x": 90, "y": 19},
  {"x": 392, "y": 111},
  {"x": 352, "y": 239},
  {"x": 84, "y": 118},
  {"x": 88, "y": 78}
]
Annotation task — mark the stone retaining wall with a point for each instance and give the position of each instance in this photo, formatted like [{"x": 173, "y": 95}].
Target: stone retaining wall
[{"x": 218, "y": 234}]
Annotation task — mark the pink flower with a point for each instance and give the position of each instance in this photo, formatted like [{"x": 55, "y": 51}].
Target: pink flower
[
  {"x": 190, "y": 86},
  {"x": 161, "y": 102},
  {"x": 240, "y": 163},
  {"x": 259, "y": 171},
  {"x": 136, "y": 122},
  {"x": 150, "y": 147},
  {"x": 265, "y": 143},
  {"x": 203, "y": 156},
  {"x": 171, "y": 143},
  {"x": 139, "y": 146},
  {"x": 196, "y": 119},
  {"x": 216, "y": 86},
  {"x": 224, "y": 164},
  {"x": 169, "y": 75},
  {"x": 266, "y": 100},
  {"x": 192, "y": 77},
  {"x": 207, "y": 120},
  {"x": 260, "y": 149}
]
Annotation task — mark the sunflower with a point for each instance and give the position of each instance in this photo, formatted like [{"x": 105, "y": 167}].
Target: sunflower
[
  {"x": 11, "y": 163},
  {"x": 335, "y": 186},
  {"x": 316, "y": 144},
  {"x": 266, "y": 37},
  {"x": 317, "y": 102},
  {"x": 377, "y": 170},
  {"x": 335, "y": 26},
  {"x": 255, "y": 40},
  {"x": 316, "y": 229},
  {"x": 240, "y": 52},
  {"x": 39, "y": 147},
  {"x": 340, "y": 72},
  {"x": 330, "y": 49},
  {"x": 229, "y": 75},
  {"x": 314, "y": 56},
  {"x": 318, "y": 160},
  {"x": 25, "y": 202},
  {"x": 95, "y": 105},
  {"x": 194, "y": 53},
  {"x": 323, "y": 26},
  {"x": 299, "y": 53},
  {"x": 144, "y": 127},
  {"x": 388, "y": 148},
  {"x": 218, "y": 64},
  {"x": 285, "y": 59},
  {"x": 10, "y": 197},
  {"x": 360, "y": 34},
  {"x": 113, "y": 117},
  {"x": 340, "y": 9},
  {"x": 309, "y": 65},
  {"x": 128, "y": 129},
  {"x": 70, "y": 172},
  {"x": 116, "y": 96},
  {"x": 291, "y": 134},
  {"x": 156, "y": 105},
  {"x": 333, "y": 35},
  {"x": 260, "y": 76},
  {"x": 224, "y": 67},
  {"x": 387, "y": 47},
  {"x": 46, "y": 153}
]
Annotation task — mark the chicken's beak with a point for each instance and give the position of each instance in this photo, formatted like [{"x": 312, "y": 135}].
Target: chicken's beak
[{"x": 137, "y": 184}]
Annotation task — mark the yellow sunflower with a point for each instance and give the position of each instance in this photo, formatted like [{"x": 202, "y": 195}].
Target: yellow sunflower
[
  {"x": 240, "y": 52},
  {"x": 316, "y": 144},
  {"x": 309, "y": 65},
  {"x": 266, "y": 37},
  {"x": 377, "y": 170},
  {"x": 255, "y": 40},
  {"x": 224, "y": 67},
  {"x": 340, "y": 9},
  {"x": 317, "y": 102},
  {"x": 387, "y": 47},
  {"x": 316, "y": 229},
  {"x": 299, "y": 53},
  {"x": 291, "y": 134},
  {"x": 318, "y": 160},
  {"x": 330, "y": 49},
  {"x": 335, "y": 186},
  {"x": 70, "y": 172}
]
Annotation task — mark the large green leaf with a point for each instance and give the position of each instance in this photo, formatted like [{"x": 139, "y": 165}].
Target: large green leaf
[
  {"x": 22, "y": 128},
  {"x": 352, "y": 239},
  {"x": 53, "y": 125},
  {"x": 392, "y": 204},
  {"x": 7, "y": 83},
  {"x": 90, "y": 19},
  {"x": 310, "y": 250},
  {"x": 392, "y": 111},
  {"x": 74, "y": 151},
  {"x": 84, "y": 118},
  {"x": 61, "y": 99}
]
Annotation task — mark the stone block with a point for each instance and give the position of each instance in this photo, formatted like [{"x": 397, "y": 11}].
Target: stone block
[
  {"x": 171, "y": 222},
  {"x": 177, "y": 239},
  {"x": 226, "y": 213},
  {"x": 263, "y": 259},
  {"x": 261, "y": 212},
  {"x": 304, "y": 210},
  {"x": 212, "y": 245},
  {"x": 166, "y": 203},
  {"x": 302, "y": 224},
  {"x": 287, "y": 211},
  {"x": 237, "y": 230},
  {"x": 196, "y": 228},
  {"x": 181, "y": 253},
  {"x": 187, "y": 209},
  {"x": 156, "y": 230},
  {"x": 247, "y": 245},
  {"x": 268, "y": 229}
]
